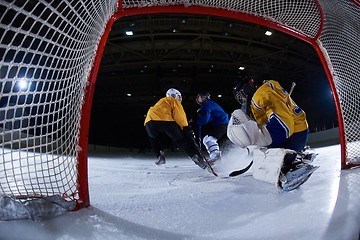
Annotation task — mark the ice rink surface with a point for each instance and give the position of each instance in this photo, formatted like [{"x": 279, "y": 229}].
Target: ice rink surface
[{"x": 132, "y": 198}]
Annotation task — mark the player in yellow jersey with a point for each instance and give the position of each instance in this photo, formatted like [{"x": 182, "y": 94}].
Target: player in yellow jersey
[
  {"x": 168, "y": 117},
  {"x": 275, "y": 113},
  {"x": 279, "y": 129}
]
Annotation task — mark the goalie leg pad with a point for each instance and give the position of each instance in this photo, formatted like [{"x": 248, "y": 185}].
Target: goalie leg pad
[{"x": 268, "y": 164}]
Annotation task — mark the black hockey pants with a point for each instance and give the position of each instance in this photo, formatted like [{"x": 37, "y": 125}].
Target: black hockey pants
[{"x": 171, "y": 129}]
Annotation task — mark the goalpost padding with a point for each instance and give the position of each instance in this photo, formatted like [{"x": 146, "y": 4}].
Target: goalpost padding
[{"x": 51, "y": 51}]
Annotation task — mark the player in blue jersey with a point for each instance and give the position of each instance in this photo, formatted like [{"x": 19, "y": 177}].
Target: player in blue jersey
[{"x": 211, "y": 112}]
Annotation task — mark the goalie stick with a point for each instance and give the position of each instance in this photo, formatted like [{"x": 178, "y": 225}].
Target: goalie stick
[
  {"x": 241, "y": 171},
  {"x": 305, "y": 157},
  {"x": 292, "y": 88}
]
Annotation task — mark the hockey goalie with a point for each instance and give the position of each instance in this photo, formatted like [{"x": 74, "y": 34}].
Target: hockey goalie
[{"x": 277, "y": 127}]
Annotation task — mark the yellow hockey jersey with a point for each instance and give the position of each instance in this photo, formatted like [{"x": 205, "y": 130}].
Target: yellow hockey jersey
[
  {"x": 167, "y": 109},
  {"x": 271, "y": 98}
]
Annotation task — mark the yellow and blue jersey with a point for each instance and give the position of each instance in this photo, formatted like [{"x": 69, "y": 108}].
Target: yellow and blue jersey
[{"x": 272, "y": 106}]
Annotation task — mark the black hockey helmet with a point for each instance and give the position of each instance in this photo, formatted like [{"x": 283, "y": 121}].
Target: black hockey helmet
[
  {"x": 244, "y": 88},
  {"x": 204, "y": 97}
]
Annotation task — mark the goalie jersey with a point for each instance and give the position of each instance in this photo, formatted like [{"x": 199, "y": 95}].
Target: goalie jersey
[{"x": 272, "y": 105}]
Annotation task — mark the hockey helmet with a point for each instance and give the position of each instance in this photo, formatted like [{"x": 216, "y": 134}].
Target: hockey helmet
[
  {"x": 204, "y": 96},
  {"x": 244, "y": 88},
  {"x": 172, "y": 92}
]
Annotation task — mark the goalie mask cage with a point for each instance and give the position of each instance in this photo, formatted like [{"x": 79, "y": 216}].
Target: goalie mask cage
[{"x": 50, "y": 53}]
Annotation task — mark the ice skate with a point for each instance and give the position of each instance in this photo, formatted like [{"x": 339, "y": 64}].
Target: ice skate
[
  {"x": 307, "y": 157},
  {"x": 214, "y": 157},
  {"x": 296, "y": 177},
  {"x": 161, "y": 160},
  {"x": 201, "y": 163}
]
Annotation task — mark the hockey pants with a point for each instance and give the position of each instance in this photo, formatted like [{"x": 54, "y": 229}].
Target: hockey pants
[{"x": 173, "y": 131}]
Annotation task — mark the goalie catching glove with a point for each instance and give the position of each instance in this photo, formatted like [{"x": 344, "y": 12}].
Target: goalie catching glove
[{"x": 245, "y": 132}]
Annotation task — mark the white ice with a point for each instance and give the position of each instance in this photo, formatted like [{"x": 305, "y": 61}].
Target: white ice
[{"x": 132, "y": 198}]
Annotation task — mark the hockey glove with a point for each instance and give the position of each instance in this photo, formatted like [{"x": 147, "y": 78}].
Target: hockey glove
[{"x": 245, "y": 132}]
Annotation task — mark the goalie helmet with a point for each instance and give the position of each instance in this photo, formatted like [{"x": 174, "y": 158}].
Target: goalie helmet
[
  {"x": 172, "y": 92},
  {"x": 244, "y": 88},
  {"x": 204, "y": 96}
]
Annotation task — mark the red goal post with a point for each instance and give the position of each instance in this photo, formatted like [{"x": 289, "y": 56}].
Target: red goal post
[{"x": 50, "y": 55}]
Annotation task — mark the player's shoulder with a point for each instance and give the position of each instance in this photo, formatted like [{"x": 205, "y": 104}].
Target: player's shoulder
[{"x": 211, "y": 104}]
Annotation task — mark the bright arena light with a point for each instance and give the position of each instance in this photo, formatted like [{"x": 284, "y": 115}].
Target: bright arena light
[
  {"x": 23, "y": 84},
  {"x": 268, "y": 33}
]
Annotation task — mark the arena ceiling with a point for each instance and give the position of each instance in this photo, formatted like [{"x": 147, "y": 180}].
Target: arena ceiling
[{"x": 147, "y": 54}]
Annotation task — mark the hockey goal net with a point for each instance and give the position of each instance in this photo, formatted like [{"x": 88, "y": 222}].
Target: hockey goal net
[{"x": 50, "y": 52}]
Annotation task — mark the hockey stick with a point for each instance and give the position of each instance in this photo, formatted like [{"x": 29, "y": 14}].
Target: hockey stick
[
  {"x": 211, "y": 169},
  {"x": 199, "y": 146},
  {"x": 292, "y": 88},
  {"x": 241, "y": 171}
]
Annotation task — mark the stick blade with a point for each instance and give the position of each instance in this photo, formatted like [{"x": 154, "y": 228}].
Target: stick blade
[{"x": 241, "y": 171}]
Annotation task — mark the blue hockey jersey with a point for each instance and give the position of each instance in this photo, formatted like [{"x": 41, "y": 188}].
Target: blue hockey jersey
[{"x": 212, "y": 112}]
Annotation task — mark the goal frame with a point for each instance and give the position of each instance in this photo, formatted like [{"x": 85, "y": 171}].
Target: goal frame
[
  {"x": 85, "y": 119},
  {"x": 313, "y": 29}
]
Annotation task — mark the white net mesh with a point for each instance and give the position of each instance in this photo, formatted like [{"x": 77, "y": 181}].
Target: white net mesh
[
  {"x": 340, "y": 38},
  {"x": 301, "y": 15},
  {"x": 47, "y": 49}
]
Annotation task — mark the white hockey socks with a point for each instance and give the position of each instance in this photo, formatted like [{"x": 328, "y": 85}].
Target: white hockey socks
[{"x": 212, "y": 146}]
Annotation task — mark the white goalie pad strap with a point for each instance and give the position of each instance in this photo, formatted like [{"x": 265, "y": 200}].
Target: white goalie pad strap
[{"x": 267, "y": 164}]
